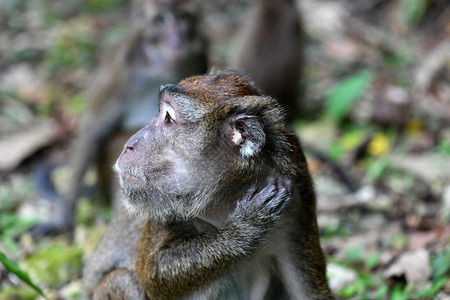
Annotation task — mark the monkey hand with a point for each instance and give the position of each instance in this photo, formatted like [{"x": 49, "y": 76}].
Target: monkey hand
[{"x": 262, "y": 208}]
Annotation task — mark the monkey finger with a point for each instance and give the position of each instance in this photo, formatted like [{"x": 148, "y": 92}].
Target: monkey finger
[
  {"x": 266, "y": 194},
  {"x": 279, "y": 203},
  {"x": 250, "y": 193}
]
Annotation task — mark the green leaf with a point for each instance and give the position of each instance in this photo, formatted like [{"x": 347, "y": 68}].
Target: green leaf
[
  {"x": 372, "y": 260},
  {"x": 346, "y": 92},
  {"x": 77, "y": 104},
  {"x": 10, "y": 227},
  {"x": 400, "y": 293},
  {"x": 441, "y": 264},
  {"x": 430, "y": 291},
  {"x": 413, "y": 11},
  {"x": 12, "y": 267},
  {"x": 349, "y": 291},
  {"x": 377, "y": 168},
  {"x": 444, "y": 147},
  {"x": 382, "y": 292},
  {"x": 355, "y": 254}
]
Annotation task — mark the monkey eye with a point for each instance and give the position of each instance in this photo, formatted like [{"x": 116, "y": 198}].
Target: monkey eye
[
  {"x": 168, "y": 118},
  {"x": 169, "y": 113}
]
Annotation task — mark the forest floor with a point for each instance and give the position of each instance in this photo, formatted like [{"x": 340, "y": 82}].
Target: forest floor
[{"x": 376, "y": 106}]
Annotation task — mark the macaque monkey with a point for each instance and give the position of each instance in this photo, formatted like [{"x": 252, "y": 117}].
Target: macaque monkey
[
  {"x": 229, "y": 203},
  {"x": 268, "y": 46},
  {"x": 163, "y": 45}
]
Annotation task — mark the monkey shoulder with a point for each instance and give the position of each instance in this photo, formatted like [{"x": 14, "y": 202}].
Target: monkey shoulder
[{"x": 116, "y": 249}]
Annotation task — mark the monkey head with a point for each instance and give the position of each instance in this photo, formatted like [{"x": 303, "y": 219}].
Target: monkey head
[
  {"x": 214, "y": 137},
  {"x": 169, "y": 29}
]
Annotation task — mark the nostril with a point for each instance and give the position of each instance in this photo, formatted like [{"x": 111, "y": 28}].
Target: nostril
[
  {"x": 128, "y": 149},
  {"x": 131, "y": 144}
]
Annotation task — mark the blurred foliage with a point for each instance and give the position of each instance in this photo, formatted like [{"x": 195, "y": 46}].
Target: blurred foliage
[
  {"x": 12, "y": 226},
  {"x": 355, "y": 254},
  {"x": 88, "y": 211},
  {"x": 444, "y": 147},
  {"x": 441, "y": 265},
  {"x": 96, "y": 6},
  {"x": 429, "y": 291},
  {"x": 7, "y": 200},
  {"x": 344, "y": 93},
  {"x": 28, "y": 55},
  {"x": 13, "y": 267},
  {"x": 368, "y": 286},
  {"x": 77, "y": 104},
  {"x": 115, "y": 34},
  {"x": 401, "y": 293},
  {"x": 376, "y": 167},
  {"x": 55, "y": 264},
  {"x": 352, "y": 137},
  {"x": 372, "y": 260},
  {"x": 413, "y": 11},
  {"x": 398, "y": 60},
  {"x": 73, "y": 49},
  {"x": 365, "y": 287},
  {"x": 17, "y": 292},
  {"x": 333, "y": 229}
]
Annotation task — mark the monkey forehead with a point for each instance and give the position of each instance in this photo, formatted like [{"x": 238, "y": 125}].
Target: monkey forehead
[
  {"x": 182, "y": 103},
  {"x": 212, "y": 89}
]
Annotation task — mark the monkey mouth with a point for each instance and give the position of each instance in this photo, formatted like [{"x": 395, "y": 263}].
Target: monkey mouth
[{"x": 131, "y": 178}]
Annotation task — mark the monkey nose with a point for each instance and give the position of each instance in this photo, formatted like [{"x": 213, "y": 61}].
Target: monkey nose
[
  {"x": 130, "y": 145},
  {"x": 128, "y": 149}
]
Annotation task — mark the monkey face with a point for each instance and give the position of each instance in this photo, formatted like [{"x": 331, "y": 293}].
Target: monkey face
[
  {"x": 160, "y": 169},
  {"x": 214, "y": 136},
  {"x": 169, "y": 27}
]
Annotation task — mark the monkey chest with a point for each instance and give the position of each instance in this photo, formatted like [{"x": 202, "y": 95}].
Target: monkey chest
[{"x": 253, "y": 279}]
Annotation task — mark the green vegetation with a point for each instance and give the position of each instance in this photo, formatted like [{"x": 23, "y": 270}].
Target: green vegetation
[
  {"x": 55, "y": 264},
  {"x": 346, "y": 92},
  {"x": 13, "y": 267}
]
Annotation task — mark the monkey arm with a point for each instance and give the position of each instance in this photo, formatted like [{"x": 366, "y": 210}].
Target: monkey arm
[
  {"x": 171, "y": 264},
  {"x": 179, "y": 266},
  {"x": 119, "y": 284}
]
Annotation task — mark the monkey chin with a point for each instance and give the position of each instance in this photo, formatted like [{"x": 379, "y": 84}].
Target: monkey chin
[
  {"x": 139, "y": 210},
  {"x": 148, "y": 203}
]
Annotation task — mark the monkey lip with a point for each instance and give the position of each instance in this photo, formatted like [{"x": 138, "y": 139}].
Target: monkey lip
[{"x": 131, "y": 178}]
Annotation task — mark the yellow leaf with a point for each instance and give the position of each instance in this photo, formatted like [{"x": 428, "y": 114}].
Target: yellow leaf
[{"x": 379, "y": 145}]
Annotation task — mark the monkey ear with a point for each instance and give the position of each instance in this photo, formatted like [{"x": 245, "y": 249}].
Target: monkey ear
[{"x": 247, "y": 133}]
